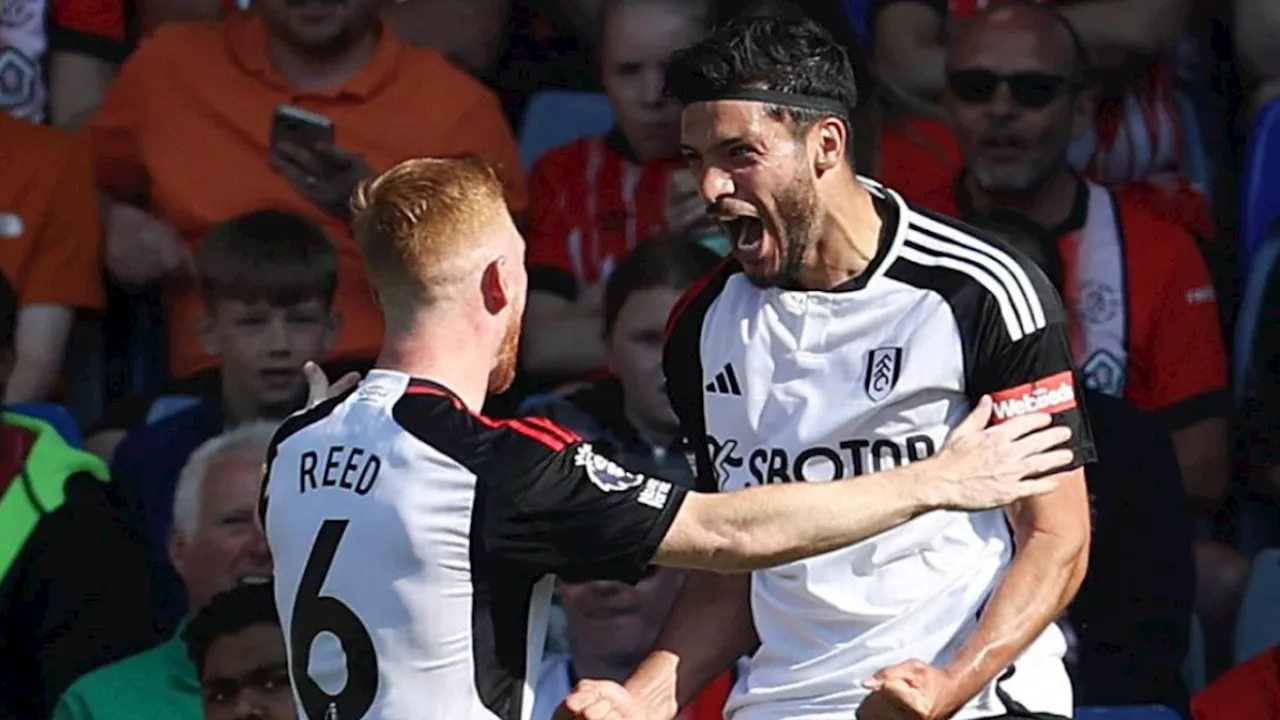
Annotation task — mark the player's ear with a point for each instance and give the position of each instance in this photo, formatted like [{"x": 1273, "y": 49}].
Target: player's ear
[
  {"x": 830, "y": 137},
  {"x": 495, "y": 285}
]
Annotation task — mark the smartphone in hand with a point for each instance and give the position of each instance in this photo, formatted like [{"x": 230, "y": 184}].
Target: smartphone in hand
[{"x": 299, "y": 127}]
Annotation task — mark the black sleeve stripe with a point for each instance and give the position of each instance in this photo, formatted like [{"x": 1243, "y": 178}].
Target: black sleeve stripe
[
  {"x": 1205, "y": 406},
  {"x": 682, "y": 363},
  {"x": 95, "y": 46}
]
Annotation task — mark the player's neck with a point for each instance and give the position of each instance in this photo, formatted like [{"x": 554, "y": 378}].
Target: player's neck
[
  {"x": 848, "y": 240},
  {"x": 1047, "y": 204},
  {"x": 442, "y": 355}
]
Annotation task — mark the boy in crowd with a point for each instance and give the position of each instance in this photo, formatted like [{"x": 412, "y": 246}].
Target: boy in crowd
[{"x": 267, "y": 280}]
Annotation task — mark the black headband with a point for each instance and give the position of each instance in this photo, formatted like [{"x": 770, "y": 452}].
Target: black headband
[{"x": 777, "y": 97}]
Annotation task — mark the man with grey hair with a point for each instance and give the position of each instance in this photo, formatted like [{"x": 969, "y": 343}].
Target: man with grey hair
[{"x": 216, "y": 544}]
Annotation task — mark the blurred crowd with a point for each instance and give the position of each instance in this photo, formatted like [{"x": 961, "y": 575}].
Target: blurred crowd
[{"x": 1122, "y": 144}]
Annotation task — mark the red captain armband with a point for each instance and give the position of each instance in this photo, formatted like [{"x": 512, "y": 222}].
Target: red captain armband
[{"x": 1053, "y": 394}]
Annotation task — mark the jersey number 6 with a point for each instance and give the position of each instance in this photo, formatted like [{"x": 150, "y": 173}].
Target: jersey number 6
[{"x": 313, "y": 614}]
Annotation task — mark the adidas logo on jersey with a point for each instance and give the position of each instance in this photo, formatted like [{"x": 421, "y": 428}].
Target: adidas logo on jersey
[
  {"x": 1054, "y": 394},
  {"x": 724, "y": 383}
]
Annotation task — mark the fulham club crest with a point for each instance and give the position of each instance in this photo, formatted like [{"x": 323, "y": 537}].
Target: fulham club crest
[{"x": 884, "y": 365}]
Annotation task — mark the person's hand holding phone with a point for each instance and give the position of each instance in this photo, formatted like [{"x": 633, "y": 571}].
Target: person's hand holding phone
[{"x": 325, "y": 174}]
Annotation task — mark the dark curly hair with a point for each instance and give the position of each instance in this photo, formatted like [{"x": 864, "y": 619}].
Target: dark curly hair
[
  {"x": 229, "y": 612},
  {"x": 782, "y": 54}
]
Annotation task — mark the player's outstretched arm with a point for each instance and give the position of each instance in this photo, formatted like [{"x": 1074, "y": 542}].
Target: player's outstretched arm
[{"x": 979, "y": 468}]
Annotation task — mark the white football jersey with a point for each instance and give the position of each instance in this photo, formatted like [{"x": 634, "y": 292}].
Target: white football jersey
[
  {"x": 415, "y": 542},
  {"x": 798, "y": 386}
]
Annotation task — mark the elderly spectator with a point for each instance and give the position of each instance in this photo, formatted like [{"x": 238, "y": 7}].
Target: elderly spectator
[
  {"x": 267, "y": 282},
  {"x": 594, "y": 200},
  {"x": 50, "y": 248},
  {"x": 221, "y": 81},
  {"x": 216, "y": 544},
  {"x": 64, "y": 610},
  {"x": 238, "y": 649}
]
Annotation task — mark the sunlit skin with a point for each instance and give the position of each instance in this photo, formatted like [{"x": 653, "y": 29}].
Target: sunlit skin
[{"x": 793, "y": 207}]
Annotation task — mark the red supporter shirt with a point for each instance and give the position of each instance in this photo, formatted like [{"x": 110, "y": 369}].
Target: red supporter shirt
[
  {"x": 1144, "y": 317},
  {"x": 590, "y": 204}
]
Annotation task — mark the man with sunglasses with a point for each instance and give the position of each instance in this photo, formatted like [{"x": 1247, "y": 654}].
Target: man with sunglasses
[
  {"x": 1143, "y": 316},
  {"x": 850, "y": 331}
]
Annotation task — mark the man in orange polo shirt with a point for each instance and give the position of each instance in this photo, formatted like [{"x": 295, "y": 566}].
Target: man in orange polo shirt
[
  {"x": 50, "y": 248},
  {"x": 1146, "y": 325},
  {"x": 183, "y": 141}
]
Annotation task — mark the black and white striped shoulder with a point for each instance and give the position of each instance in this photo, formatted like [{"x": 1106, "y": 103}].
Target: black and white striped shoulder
[{"x": 979, "y": 275}]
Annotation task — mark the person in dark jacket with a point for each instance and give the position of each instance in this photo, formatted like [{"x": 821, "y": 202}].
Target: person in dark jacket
[{"x": 75, "y": 569}]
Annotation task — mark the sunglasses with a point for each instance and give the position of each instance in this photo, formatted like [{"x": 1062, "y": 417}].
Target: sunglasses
[{"x": 1028, "y": 89}]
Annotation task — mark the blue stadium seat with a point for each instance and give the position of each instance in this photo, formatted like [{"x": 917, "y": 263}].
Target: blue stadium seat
[
  {"x": 54, "y": 414},
  {"x": 860, "y": 18},
  {"x": 167, "y": 406},
  {"x": 1127, "y": 712},
  {"x": 1261, "y": 181},
  {"x": 556, "y": 117},
  {"x": 1256, "y": 279},
  {"x": 1258, "y": 627}
]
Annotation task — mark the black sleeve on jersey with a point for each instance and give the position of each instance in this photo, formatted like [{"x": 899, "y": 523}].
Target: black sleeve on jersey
[
  {"x": 1031, "y": 371},
  {"x": 682, "y": 363},
  {"x": 286, "y": 430},
  {"x": 545, "y": 499}
]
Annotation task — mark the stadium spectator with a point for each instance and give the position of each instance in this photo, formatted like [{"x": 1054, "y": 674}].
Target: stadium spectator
[
  {"x": 1135, "y": 133},
  {"x": 1257, "y": 34},
  {"x": 1144, "y": 318},
  {"x": 594, "y": 200},
  {"x": 613, "y": 625},
  {"x": 75, "y": 580},
  {"x": 220, "y": 81},
  {"x": 50, "y": 249},
  {"x": 267, "y": 282},
  {"x": 216, "y": 544},
  {"x": 238, "y": 650}
]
